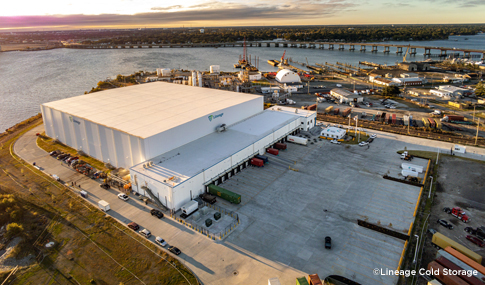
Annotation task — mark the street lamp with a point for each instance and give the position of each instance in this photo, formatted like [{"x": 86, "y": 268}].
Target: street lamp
[
  {"x": 417, "y": 245},
  {"x": 430, "y": 186}
]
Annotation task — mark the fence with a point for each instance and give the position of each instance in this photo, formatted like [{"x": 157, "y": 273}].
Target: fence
[{"x": 207, "y": 232}]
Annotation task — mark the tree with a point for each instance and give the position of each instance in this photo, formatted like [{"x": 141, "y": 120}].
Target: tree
[
  {"x": 14, "y": 229},
  {"x": 480, "y": 90},
  {"x": 391, "y": 91}
]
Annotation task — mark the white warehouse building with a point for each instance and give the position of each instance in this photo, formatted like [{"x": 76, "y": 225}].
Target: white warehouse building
[{"x": 169, "y": 135}]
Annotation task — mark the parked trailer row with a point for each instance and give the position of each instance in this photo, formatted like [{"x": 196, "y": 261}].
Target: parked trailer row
[
  {"x": 450, "y": 265},
  {"x": 297, "y": 140},
  {"x": 346, "y": 112},
  {"x": 425, "y": 122},
  {"x": 444, "y": 242},
  {"x": 438, "y": 272},
  {"x": 465, "y": 259},
  {"x": 442, "y": 253}
]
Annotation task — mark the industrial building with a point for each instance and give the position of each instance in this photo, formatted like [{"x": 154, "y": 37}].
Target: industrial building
[
  {"x": 414, "y": 66},
  {"x": 345, "y": 96},
  {"x": 175, "y": 139},
  {"x": 408, "y": 81},
  {"x": 333, "y": 133},
  {"x": 456, "y": 91}
]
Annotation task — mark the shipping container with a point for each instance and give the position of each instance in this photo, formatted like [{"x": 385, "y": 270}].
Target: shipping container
[
  {"x": 280, "y": 146},
  {"x": 438, "y": 124},
  {"x": 432, "y": 124},
  {"x": 425, "y": 122},
  {"x": 346, "y": 112},
  {"x": 443, "y": 242},
  {"x": 450, "y": 265},
  {"x": 383, "y": 117},
  {"x": 301, "y": 281},
  {"x": 465, "y": 259},
  {"x": 263, "y": 158},
  {"x": 336, "y": 111},
  {"x": 257, "y": 162},
  {"x": 394, "y": 119},
  {"x": 457, "y": 118},
  {"x": 312, "y": 107},
  {"x": 224, "y": 194},
  {"x": 298, "y": 140},
  {"x": 103, "y": 205},
  {"x": 406, "y": 120},
  {"x": 190, "y": 207},
  {"x": 328, "y": 110},
  {"x": 447, "y": 255},
  {"x": 438, "y": 273},
  {"x": 272, "y": 151},
  {"x": 314, "y": 279}
]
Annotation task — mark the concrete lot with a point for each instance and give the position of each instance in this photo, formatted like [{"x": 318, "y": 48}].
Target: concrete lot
[{"x": 282, "y": 219}]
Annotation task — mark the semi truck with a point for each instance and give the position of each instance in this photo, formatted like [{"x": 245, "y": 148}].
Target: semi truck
[
  {"x": 412, "y": 167},
  {"x": 457, "y": 212},
  {"x": 190, "y": 207},
  {"x": 298, "y": 140}
]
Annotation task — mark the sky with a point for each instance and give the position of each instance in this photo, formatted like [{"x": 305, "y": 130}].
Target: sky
[{"x": 70, "y": 14}]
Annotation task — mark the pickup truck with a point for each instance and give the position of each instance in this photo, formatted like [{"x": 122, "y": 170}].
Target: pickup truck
[{"x": 406, "y": 156}]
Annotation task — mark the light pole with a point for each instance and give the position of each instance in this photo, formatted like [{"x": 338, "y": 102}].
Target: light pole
[
  {"x": 430, "y": 187},
  {"x": 417, "y": 245}
]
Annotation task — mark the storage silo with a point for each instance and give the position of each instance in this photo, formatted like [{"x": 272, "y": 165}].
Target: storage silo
[
  {"x": 194, "y": 78},
  {"x": 199, "y": 78},
  {"x": 165, "y": 71}
]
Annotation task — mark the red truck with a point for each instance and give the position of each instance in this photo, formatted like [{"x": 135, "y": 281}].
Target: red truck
[
  {"x": 457, "y": 212},
  {"x": 312, "y": 107}
]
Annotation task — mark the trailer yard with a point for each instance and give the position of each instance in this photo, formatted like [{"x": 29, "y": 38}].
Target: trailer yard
[{"x": 288, "y": 208}]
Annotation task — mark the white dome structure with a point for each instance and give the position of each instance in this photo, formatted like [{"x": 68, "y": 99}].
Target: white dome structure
[{"x": 287, "y": 76}]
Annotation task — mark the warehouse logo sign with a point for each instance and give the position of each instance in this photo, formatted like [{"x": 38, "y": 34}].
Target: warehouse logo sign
[
  {"x": 74, "y": 121},
  {"x": 212, "y": 117}
]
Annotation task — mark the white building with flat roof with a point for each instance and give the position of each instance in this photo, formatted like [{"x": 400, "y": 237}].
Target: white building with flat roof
[
  {"x": 345, "y": 96},
  {"x": 333, "y": 132},
  {"x": 170, "y": 135}
]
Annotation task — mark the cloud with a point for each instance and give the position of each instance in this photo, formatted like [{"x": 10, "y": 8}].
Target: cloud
[
  {"x": 213, "y": 12},
  {"x": 459, "y": 4},
  {"x": 166, "y": 8}
]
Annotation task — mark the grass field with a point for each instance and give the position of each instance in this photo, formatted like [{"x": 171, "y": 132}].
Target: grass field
[{"x": 89, "y": 247}]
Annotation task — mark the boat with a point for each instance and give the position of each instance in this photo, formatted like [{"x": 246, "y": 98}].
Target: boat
[{"x": 273, "y": 62}]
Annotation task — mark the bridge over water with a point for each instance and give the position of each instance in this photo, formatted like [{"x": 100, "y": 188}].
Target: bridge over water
[{"x": 362, "y": 47}]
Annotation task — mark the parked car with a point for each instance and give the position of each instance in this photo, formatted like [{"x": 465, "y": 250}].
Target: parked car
[
  {"x": 475, "y": 240},
  {"x": 105, "y": 186},
  {"x": 157, "y": 213},
  {"x": 134, "y": 226},
  {"x": 174, "y": 250},
  {"x": 146, "y": 233},
  {"x": 56, "y": 177},
  {"x": 363, "y": 143},
  {"x": 123, "y": 196},
  {"x": 160, "y": 241},
  {"x": 373, "y": 136},
  {"x": 432, "y": 231},
  {"x": 328, "y": 242},
  {"x": 335, "y": 141},
  {"x": 445, "y": 224}
]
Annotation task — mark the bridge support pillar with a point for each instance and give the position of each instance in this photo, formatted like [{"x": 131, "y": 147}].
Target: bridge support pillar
[
  {"x": 362, "y": 48},
  {"x": 443, "y": 53},
  {"x": 285, "y": 45},
  {"x": 413, "y": 51},
  {"x": 351, "y": 48},
  {"x": 399, "y": 50},
  {"x": 330, "y": 46},
  {"x": 427, "y": 52},
  {"x": 276, "y": 45},
  {"x": 374, "y": 48},
  {"x": 321, "y": 46},
  {"x": 466, "y": 54},
  {"x": 386, "y": 49},
  {"x": 268, "y": 45},
  {"x": 341, "y": 46},
  {"x": 259, "y": 44}
]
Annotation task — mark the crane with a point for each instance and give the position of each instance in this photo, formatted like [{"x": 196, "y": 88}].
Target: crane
[
  {"x": 306, "y": 61},
  {"x": 283, "y": 56}
]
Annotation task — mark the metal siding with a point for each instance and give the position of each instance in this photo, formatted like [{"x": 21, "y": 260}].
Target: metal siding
[
  {"x": 94, "y": 140},
  {"x": 242, "y": 155},
  {"x": 158, "y": 189},
  {"x": 126, "y": 149},
  {"x": 47, "y": 118},
  {"x": 68, "y": 131},
  {"x": 135, "y": 150},
  {"x": 281, "y": 132},
  {"x": 58, "y": 128},
  {"x": 107, "y": 145}
]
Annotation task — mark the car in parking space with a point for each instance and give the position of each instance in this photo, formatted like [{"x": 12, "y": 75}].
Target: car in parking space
[
  {"x": 373, "y": 136},
  {"x": 156, "y": 213},
  {"x": 475, "y": 240},
  {"x": 392, "y": 107},
  {"x": 432, "y": 231},
  {"x": 56, "y": 177},
  {"x": 335, "y": 141},
  {"x": 328, "y": 242},
  {"x": 160, "y": 241},
  {"x": 146, "y": 233},
  {"x": 445, "y": 224},
  {"x": 134, "y": 226},
  {"x": 174, "y": 250},
  {"x": 363, "y": 143},
  {"x": 123, "y": 196}
]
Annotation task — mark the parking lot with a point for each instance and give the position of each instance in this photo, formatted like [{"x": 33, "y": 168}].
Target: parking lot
[
  {"x": 288, "y": 213},
  {"x": 283, "y": 222}
]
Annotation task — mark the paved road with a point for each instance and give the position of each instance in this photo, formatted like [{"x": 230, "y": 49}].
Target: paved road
[{"x": 213, "y": 262}]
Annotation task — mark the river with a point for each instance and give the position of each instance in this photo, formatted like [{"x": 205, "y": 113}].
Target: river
[{"x": 29, "y": 79}]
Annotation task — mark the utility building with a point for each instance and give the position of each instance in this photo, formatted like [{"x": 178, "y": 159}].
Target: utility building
[
  {"x": 345, "y": 96},
  {"x": 175, "y": 139}
]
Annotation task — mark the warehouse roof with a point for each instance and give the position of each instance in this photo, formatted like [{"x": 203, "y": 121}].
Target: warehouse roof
[
  {"x": 191, "y": 159},
  {"x": 148, "y": 109}
]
